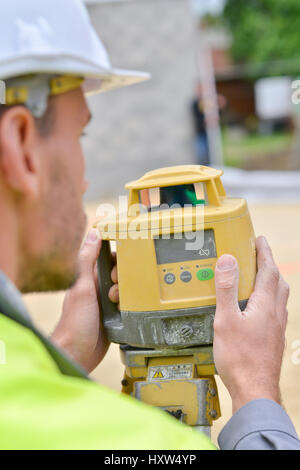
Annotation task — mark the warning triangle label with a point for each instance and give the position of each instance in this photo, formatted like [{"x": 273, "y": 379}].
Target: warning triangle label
[{"x": 158, "y": 374}]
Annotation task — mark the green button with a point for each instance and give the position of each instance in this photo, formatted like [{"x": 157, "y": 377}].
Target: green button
[{"x": 205, "y": 274}]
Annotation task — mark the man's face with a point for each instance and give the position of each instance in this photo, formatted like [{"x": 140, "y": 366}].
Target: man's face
[{"x": 54, "y": 222}]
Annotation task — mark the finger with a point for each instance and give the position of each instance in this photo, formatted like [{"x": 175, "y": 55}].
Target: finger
[
  {"x": 268, "y": 276},
  {"x": 114, "y": 274},
  {"x": 89, "y": 252},
  {"x": 281, "y": 301},
  {"x": 264, "y": 252},
  {"x": 226, "y": 282},
  {"x": 96, "y": 281},
  {"x": 113, "y": 293}
]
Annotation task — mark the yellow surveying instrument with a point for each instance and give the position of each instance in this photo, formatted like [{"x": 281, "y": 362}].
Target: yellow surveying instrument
[{"x": 179, "y": 221}]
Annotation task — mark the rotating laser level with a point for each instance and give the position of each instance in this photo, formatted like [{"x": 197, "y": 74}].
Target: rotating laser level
[{"x": 179, "y": 221}]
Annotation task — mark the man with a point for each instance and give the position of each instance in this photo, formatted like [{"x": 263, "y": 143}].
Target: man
[
  {"x": 46, "y": 400},
  {"x": 199, "y": 124}
]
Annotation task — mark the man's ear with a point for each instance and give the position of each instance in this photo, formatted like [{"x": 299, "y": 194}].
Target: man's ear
[{"x": 19, "y": 163}]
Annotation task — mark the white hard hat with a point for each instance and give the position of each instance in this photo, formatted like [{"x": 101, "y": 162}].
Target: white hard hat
[{"x": 56, "y": 38}]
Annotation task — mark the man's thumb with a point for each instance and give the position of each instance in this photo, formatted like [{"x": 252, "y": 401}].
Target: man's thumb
[
  {"x": 89, "y": 252},
  {"x": 227, "y": 282}
]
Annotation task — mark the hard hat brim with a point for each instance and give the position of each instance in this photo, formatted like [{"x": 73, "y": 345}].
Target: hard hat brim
[
  {"x": 116, "y": 78},
  {"x": 96, "y": 79}
]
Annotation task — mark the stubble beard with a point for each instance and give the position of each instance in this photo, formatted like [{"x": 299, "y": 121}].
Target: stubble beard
[
  {"x": 56, "y": 268},
  {"x": 44, "y": 276}
]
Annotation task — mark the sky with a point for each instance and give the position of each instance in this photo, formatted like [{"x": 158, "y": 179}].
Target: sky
[
  {"x": 207, "y": 6},
  {"x": 199, "y": 6}
]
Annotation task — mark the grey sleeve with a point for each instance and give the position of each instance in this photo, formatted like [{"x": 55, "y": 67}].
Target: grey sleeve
[{"x": 259, "y": 425}]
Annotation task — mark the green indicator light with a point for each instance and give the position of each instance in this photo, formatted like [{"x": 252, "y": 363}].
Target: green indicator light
[{"x": 205, "y": 274}]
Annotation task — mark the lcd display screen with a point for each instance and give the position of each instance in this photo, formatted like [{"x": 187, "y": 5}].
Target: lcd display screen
[{"x": 187, "y": 248}]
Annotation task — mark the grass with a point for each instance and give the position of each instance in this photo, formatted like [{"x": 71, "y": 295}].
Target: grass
[{"x": 237, "y": 150}]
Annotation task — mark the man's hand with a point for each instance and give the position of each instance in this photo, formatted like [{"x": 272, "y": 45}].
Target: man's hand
[
  {"x": 80, "y": 331},
  {"x": 248, "y": 345}
]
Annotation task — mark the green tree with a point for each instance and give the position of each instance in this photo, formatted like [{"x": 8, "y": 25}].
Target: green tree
[{"x": 263, "y": 30}]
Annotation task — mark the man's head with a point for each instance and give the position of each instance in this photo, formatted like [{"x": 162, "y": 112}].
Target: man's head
[
  {"x": 41, "y": 187},
  {"x": 44, "y": 55}
]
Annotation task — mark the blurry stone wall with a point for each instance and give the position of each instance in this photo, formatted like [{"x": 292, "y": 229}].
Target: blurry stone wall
[{"x": 144, "y": 126}]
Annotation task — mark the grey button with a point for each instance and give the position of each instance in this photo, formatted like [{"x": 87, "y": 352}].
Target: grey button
[
  {"x": 169, "y": 278},
  {"x": 186, "y": 276}
]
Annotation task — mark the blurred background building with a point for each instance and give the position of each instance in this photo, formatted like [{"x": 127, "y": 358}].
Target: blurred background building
[
  {"x": 255, "y": 66},
  {"x": 146, "y": 126},
  {"x": 243, "y": 53}
]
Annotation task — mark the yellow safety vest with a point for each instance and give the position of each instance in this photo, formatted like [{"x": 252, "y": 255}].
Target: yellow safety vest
[{"x": 41, "y": 408}]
